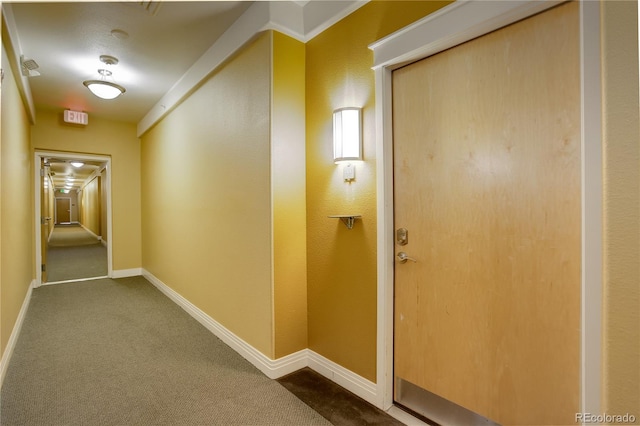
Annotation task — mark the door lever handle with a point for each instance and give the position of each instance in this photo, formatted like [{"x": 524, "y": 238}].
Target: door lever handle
[{"x": 403, "y": 257}]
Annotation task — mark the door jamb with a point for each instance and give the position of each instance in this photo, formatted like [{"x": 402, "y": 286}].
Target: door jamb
[
  {"x": 38, "y": 156},
  {"x": 448, "y": 27}
]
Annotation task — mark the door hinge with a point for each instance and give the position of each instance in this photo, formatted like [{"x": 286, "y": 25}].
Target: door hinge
[{"x": 43, "y": 267}]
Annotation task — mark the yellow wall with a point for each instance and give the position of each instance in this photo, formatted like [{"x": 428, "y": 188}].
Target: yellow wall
[
  {"x": 206, "y": 203},
  {"x": 104, "y": 137},
  {"x": 16, "y": 228},
  {"x": 90, "y": 206},
  {"x": 342, "y": 263},
  {"x": 289, "y": 202},
  {"x": 621, "y": 321}
]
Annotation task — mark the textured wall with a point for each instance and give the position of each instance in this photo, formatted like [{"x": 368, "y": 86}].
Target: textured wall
[
  {"x": 342, "y": 263},
  {"x": 90, "y": 206},
  {"x": 288, "y": 196},
  {"x": 621, "y": 321},
  {"x": 206, "y": 197},
  {"x": 16, "y": 215}
]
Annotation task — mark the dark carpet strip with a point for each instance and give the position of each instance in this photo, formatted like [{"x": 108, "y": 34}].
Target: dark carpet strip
[{"x": 334, "y": 403}]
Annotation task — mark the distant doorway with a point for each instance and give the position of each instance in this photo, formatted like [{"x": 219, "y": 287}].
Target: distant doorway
[
  {"x": 74, "y": 190},
  {"x": 63, "y": 211}
]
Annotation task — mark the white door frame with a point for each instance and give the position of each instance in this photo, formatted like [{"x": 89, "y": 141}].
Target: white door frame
[
  {"x": 452, "y": 25},
  {"x": 38, "y": 157}
]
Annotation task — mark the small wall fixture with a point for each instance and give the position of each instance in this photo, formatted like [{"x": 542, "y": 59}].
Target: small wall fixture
[
  {"x": 347, "y": 134},
  {"x": 102, "y": 88},
  {"x": 347, "y": 219}
]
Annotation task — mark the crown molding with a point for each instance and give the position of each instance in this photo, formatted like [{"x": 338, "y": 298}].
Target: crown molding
[
  {"x": 11, "y": 42},
  {"x": 301, "y": 20}
]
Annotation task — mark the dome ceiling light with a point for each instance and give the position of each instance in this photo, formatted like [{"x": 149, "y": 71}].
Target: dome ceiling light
[{"x": 102, "y": 88}]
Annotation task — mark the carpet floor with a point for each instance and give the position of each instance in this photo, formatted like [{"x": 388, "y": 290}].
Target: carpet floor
[
  {"x": 119, "y": 352},
  {"x": 73, "y": 253}
]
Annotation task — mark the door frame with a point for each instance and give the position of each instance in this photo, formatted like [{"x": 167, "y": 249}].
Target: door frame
[
  {"x": 455, "y": 24},
  {"x": 38, "y": 156}
]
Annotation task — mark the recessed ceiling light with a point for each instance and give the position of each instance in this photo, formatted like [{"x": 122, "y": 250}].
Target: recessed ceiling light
[{"x": 120, "y": 34}]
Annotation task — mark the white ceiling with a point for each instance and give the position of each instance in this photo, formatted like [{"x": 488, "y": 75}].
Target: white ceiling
[
  {"x": 64, "y": 175},
  {"x": 169, "y": 43},
  {"x": 168, "y": 50},
  {"x": 165, "y": 39}
]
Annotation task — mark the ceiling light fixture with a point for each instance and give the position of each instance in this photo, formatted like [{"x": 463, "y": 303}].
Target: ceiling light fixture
[
  {"x": 102, "y": 88},
  {"x": 77, "y": 164}
]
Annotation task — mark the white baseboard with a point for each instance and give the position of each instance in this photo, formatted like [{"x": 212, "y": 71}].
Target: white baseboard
[
  {"x": 11, "y": 344},
  {"x": 96, "y": 236},
  {"x": 349, "y": 380},
  {"x": 124, "y": 273},
  {"x": 274, "y": 369}
]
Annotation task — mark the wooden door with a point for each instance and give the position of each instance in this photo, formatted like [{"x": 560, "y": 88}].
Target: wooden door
[
  {"x": 487, "y": 181},
  {"x": 63, "y": 210}
]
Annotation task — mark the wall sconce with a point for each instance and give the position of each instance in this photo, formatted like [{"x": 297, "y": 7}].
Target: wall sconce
[{"x": 347, "y": 134}]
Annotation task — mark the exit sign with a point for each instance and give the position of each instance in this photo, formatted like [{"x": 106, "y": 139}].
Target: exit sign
[{"x": 76, "y": 117}]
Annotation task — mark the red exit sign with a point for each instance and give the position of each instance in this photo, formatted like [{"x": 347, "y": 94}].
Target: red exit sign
[{"x": 76, "y": 117}]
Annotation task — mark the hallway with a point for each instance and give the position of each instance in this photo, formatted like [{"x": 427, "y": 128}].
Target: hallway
[
  {"x": 226, "y": 195},
  {"x": 118, "y": 352},
  {"x": 73, "y": 254}
]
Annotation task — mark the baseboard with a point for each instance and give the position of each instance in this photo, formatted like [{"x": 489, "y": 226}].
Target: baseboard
[
  {"x": 124, "y": 273},
  {"x": 11, "y": 344},
  {"x": 349, "y": 380},
  {"x": 93, "y": 234},
  {"x": 273, "y": 369}
]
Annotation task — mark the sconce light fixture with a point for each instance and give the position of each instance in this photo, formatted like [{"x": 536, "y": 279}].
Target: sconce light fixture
[{"x": 347, "y": 134}]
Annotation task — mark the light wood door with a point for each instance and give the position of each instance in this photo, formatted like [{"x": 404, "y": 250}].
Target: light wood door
[
  {"x": 487, "y": 181},
  {"x": 63, "y": 210}
]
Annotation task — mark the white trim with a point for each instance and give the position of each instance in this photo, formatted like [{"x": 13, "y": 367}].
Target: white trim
[
  {"x": 14, "y": 51},
  {"x": 244, "y": 29},
  {"x": 301, "y": 21},
  {"x": 17, "y": 327},
  {"x": 452, "y": 25},
  {"x": 93, "y": 234},
  {"x": 349, "y": 380},
  {"x": 269, "y": 367},
  {"x": 124, "y": 273},
  {"x": 75, "y": 280},
  {"x": 273, "y": 369},
  {"x": 38, "y": 155},
  {"x": 319, "y": 15}
]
